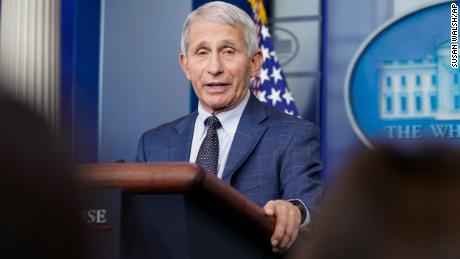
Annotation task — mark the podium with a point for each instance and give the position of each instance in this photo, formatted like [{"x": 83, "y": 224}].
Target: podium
[{"x": 170, "y": 210}]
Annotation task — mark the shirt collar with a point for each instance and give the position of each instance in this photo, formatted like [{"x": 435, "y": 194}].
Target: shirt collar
[{"x": 229, "y": 119}]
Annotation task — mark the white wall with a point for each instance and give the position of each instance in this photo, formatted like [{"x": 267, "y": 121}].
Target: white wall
[{"x": 141, "y": 84}]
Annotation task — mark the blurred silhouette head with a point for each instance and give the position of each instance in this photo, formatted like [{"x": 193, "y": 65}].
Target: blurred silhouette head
[
  {"x": 40, "y": 214},
  {"x": 392, "y": 203}
]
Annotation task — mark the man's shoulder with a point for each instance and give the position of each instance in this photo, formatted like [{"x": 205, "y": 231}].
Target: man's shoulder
[
  {"x": 279, "y": 119},
  {"x": 167, "y": 128}
]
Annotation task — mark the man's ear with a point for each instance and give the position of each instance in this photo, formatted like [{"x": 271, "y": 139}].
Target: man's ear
[
  {"x": 183, "y": 61},
  {"x": 256, "y": 62}
]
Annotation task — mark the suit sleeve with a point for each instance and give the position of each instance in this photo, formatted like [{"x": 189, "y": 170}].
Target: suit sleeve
[{"x": 301, "y": 168}]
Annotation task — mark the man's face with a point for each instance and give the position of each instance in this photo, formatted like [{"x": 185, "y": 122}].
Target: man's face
[{"x": 218, "y": 65}]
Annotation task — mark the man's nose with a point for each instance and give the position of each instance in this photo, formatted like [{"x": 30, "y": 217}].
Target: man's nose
[{"x": 215, "y": 65}]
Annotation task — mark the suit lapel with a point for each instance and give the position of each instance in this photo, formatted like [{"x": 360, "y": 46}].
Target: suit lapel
[
  {"x": 250, "y": 130},
  {"x": 180, "y": 144}
]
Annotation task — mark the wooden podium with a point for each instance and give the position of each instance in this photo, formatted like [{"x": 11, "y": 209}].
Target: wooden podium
[{"x": 173, "y": 210}]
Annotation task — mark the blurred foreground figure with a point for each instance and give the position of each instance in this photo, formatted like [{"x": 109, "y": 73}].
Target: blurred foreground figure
[
  {"x": 40, "y": 216},
  {"x": 392, "y": 203}
]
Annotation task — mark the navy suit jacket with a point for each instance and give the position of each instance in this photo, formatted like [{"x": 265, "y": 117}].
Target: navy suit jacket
[{"x": 273, "y": 155}]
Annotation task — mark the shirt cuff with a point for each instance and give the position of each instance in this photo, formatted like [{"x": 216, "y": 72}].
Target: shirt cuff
[{"x": 306, "y": 221}]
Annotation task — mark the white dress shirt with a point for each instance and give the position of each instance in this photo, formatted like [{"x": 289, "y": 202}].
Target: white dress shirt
[{"x": 229, "y": 120}]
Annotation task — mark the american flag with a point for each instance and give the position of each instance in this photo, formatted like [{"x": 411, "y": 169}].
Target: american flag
[{"x": 270, "y": 85}]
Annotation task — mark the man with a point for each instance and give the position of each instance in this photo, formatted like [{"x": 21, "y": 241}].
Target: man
[{"x": 270, "y": 157}]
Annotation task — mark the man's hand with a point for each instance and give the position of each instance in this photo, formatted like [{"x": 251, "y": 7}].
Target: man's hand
[{"x": 287, "y": 218}]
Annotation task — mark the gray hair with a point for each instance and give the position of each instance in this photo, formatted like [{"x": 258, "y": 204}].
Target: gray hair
[{"x": 222, "y": 13}]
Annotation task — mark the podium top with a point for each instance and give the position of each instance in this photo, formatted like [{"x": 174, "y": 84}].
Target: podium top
[{"x": 145, "y": 178}]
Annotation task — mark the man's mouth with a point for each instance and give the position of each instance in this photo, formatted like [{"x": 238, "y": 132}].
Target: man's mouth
[{"x": 217, "y": 84}]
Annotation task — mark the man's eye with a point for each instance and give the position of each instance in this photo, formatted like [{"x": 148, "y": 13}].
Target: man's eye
[
  {"x": 229, "y": 52},
  {"x": 201, "y": 53}
]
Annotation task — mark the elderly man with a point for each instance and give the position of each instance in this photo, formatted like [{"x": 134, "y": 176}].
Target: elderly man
[{"x": 269, "y": 156}]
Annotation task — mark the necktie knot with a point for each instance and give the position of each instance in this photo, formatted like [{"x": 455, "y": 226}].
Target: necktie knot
[{"x": 213, "y": 122}]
